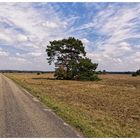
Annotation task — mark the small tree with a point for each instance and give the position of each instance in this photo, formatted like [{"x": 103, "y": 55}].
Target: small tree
[
  {"x": 70, "y": 60},
  {"x": 104, "y": 72}
]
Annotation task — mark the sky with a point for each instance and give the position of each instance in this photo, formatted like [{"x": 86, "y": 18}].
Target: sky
[{"x": 110, "y": 33}]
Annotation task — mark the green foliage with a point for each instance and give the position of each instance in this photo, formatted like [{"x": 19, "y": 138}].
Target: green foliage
[
  {"x": 86, "y": 70},
  {"x": 60, "y": 73},
  {"x": 137, "y": 73},
  {"x": 62, "y": 51},
  {"x": 134, "y": 74},
  {"x": 99, "y": 72},
  {"x": 70, "y": 60}
]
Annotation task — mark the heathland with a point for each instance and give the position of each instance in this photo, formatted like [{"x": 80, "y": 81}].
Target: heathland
[{"x": 106, "y": 108}]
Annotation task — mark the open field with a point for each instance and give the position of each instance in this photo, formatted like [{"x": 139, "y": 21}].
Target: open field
[{"x": 106, "y": 108}]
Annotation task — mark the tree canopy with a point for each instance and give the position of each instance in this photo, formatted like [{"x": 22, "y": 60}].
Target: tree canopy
[{"x": 70, "y": 60}]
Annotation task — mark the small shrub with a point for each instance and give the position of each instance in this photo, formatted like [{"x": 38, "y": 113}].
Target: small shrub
[
  {"x": 134, "y": 74},
  {"x": 94, "y": 77},
  {"x": 137, "y": 73},
  {"x": 87, "y": 77}
]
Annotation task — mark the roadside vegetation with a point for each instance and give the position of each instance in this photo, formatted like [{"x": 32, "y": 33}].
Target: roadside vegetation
[{"x": 106, "y": 108}]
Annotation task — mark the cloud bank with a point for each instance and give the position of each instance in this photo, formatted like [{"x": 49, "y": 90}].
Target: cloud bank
[{"x": 109, "y": 31}]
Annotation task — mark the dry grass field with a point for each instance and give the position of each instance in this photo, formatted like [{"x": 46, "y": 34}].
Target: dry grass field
[{"x": 106, "y": 108}]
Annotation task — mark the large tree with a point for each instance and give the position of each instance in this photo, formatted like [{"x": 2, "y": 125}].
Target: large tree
[{"x": 70, "y": 60}]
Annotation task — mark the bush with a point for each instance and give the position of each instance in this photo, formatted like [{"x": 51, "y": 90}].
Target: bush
[
  {"x": 38, "y": 73},
  {"x": 94, "y": 77},
  {"x": 134, "y": 74},
  {"x": 87, "y": 77},
  {"x": 137, "y": 73}
]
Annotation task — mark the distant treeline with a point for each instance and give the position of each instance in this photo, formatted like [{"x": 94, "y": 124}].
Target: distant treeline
[
  {"x": 24, "y": 71},
  {"x": 114, "y": 72},
  {"x": 127, "y": 72}
]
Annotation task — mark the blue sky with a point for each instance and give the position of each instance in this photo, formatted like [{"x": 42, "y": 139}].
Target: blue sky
[{"x": 109, "y": 31}]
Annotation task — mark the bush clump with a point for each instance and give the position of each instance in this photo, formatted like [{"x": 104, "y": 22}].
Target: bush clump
[{"x": 137, "y": 73}]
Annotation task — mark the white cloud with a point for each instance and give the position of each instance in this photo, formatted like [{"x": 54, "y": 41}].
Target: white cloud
[
  {"x": 118, "y": 26},
  {"x": 3, "y": 53},
  {"x": 22, "y": 38},
  {"x": 27, "y": 30},
  {"x": 17, "y": 59},
  {"x": 35, "y": 54},
  {"x": 85, "y": 41}
]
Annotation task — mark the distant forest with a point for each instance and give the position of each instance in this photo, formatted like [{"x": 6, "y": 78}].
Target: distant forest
[{"x": 26, "y": 71}]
